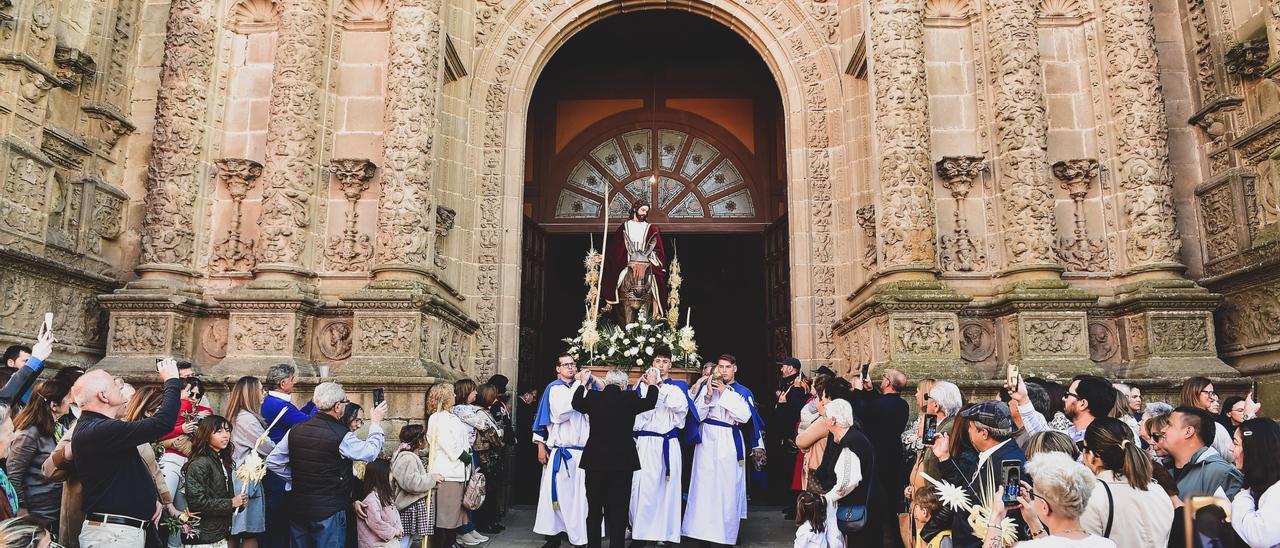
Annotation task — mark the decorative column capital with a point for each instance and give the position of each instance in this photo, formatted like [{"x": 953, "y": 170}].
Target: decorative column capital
[
  {"x": 239, "y": 175},
  {"x": 1075, "y": 175},
  {"x": 958, "y": 173},
  {"x": 353, "y": 175},
  {"x": 1247, "y": 59}
]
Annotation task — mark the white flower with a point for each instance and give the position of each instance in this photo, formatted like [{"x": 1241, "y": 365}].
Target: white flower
[
  {"x": 631, "y": 326},
  {"x": 612, "y": 349},
  {"x": 647, "y": 326},
  {"x": 638, "y": 362},
  {"x": 648, "y": 350}
]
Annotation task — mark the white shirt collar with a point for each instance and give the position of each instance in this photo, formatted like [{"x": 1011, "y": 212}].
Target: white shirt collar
[
  {"x": 281, "y": 395},
  {"x": 983, "y": 456}
]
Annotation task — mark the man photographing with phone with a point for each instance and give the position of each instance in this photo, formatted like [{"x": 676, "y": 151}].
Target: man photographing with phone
[{"x": 120, "y": 500}]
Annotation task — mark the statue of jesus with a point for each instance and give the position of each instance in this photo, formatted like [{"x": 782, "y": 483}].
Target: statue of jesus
[{"x": 635, "y": 276}]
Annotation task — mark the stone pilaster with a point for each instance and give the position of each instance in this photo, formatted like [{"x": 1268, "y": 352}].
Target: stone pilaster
[
  {"x": 1080, "y": 251},
  {"x": 293, "y": 132},
  {"x": 353, "y": 249},
  {"x": 234, "y": 252},
  {"x": 959, "y": 251},
  {"x": 1025, "y": 191},
  {"x": 1043, "y": 327},
  {"x": 1140, "y": 129},
  {"x": 406, "y": 218},
  {"x": 175, "y": 173},
  {"x": 901, "y": 108},
  {"x": 407, "y": 325}
]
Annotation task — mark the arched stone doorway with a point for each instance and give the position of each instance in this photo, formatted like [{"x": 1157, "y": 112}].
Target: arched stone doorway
[
  {"x": 689, "y": 123},
  {"x": 795, "y": 40}
]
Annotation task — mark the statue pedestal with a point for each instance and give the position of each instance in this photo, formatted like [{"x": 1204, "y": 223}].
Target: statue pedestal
[
  {"x": 407, "y": 330},
  {"x": 909, "y": 325}
]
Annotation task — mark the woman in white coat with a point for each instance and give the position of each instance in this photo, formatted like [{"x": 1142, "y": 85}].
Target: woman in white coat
[{"x": 1255, "y": 512}]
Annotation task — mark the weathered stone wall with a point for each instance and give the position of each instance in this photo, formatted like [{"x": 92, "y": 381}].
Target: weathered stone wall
[{"x": 1068, "y": 185}]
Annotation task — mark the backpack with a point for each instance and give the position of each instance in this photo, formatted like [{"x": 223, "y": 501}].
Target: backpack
[{"x": 473, "y": 494}]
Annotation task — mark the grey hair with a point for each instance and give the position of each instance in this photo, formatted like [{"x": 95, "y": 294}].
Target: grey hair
[
  {"x": 1063, "y": 483},
  {"x": 1122, "y": 387},
  {"x": 616, "y": 377},
  {"x": 948, "y": 397},
  {"x": 840, "y": 412},
  {"x": 279, "y": 373},
  {"x": 1157, "y": 408},
  {"x": 327, "y": 395}
]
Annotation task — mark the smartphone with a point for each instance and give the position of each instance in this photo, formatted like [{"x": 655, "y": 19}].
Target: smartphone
[
  {"x": 866, "y": 372},
  {"x": 930, "y": 429},
  {"x": 1011, "y": 377},
  {"x": 47, "y": 326},
  {"x": 379, "y": 395},
  {"x": 1253, "y": 389},
  {"x": 1011, "y": 480},
  {"x": 1208, "y": 519}
]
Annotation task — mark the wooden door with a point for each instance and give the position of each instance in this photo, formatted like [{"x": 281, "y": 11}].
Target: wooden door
[
  {"x": 533, "y": 257},
  {"x": 777, "y": 287}
]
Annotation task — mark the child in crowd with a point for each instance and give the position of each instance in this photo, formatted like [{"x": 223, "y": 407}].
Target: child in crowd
[
  {"x": 924, "y": 504},
  {"x": 207, "y": 483},
  {"x": 816, "y": 518},
  {"x": 380, "y": 527},
  {"x": 189, "y": 413}
]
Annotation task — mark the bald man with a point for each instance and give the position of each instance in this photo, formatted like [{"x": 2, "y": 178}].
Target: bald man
[{"x": 120, "y": 500}]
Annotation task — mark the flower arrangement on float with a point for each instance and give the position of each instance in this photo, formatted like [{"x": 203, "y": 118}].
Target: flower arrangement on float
[{"x": 602, "y": 343}]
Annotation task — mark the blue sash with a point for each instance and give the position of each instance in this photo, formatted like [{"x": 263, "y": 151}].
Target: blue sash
[
  {"x": 561, "y": 454},
  {"x": 543, "y": 418},
  {"x": 666, "y": 446},
  {"x": 737, "y": 437}
]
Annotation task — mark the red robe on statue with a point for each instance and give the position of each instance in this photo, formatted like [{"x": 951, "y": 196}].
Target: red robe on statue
[{"x": 615, "y": 260}]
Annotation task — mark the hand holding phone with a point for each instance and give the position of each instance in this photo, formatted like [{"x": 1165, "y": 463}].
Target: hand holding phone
[
  {"x": 1010, "y": 481},
  {"x": 930, "y": 429},
  {"x": 379, "y": 396}
]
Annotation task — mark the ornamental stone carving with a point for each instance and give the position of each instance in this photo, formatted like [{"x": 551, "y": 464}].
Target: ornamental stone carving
[
  {"x": 389, "y": 336},
  {"x": 173, "y": 174},
  {"x": 233, "y": 253},
  {"x": 254, "y": 16},
  {"x": 867, "y": 220},
  {"x": 1141, "y": 160},
  {"x": 959, "y": 252},
  {"x": 354, "y": 249},
  {"x": 906, "y": 216},
  {"x": 1080, "y": 252},
  {"x": 1251, "y": 317},
  {"x": 334, "y": 340},
  {"x": 214, "y": 338},
  {"x": 1052, "y": 336},
  {"x": 364, "y": 15},
  {"x": 1179, "y": 335},
  {"x": 1104, "y": 341},
  {"x": 74, "y": 66},
  {"x": 138, "y": 334},
  {"x": 977, "y": 340},
  {"x": 260, "y": 334},
  {"x": 414, "y": 73},
  {"x": 924, "y": 336},
  {"x": 1247, "y": 59},
  {"x": 444, "y": 223},
  {"x": 1026, "y": 194},
  {"x": 293, "y": 131}
]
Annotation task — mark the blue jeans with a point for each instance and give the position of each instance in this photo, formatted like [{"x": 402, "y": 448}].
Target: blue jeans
[
  {"x": 330, "y": 531},
  {"x": 277, "y": 535}
]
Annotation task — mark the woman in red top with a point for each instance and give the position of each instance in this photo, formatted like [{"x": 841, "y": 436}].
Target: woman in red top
[{"x": 177, "y": 443}]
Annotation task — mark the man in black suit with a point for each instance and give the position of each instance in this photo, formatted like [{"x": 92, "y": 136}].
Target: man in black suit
[
  {"x": 990, "y": 430},
  {"x": 791, "y": 396},
  {"x": 884, "y": 417},
  {"x": 610, "y": 456}
]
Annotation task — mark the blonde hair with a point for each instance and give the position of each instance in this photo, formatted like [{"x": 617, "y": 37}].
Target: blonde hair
[
  {"x": 1063, "y": 483},
  {"x": 440, "y": 398},
  {"x": 1051, "y": 441}
]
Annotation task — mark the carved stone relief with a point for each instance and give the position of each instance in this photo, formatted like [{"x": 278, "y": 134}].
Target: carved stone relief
[
  {"x": 214, "y": 338},
  {"x": 444, "y": 223},
  {"x": 1043, "y": 336},
  {"x": 1104, "y": 341},
  {"x": 923, "y": 336},
  {"x": 1251, "y": 318},
  {"x": 959, "y": 252},
  {"x": 139, "y": 334},
  {"x": 867, "y": 220},
  {"x": 1247, "y": 59},
  {"x": 906, "y": 211},
  {"x": 173, "y": 175},
  {"x": 1080, "y": 252},
  {"x": 389, "y": 336},
  {"x": 260, "y": 334},
  {"x": 977, "y": 340},
  {"x": 1180, "y": 335},
  {"x": 334, "y": 340},
  {"x": 1141, "y": 133},
  {"x": 234, "y": 253},
  {"x": 353, "y": 251}
]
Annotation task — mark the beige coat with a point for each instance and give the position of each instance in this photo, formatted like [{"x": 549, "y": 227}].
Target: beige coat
[
  {"x": 409, "y": 479},
  {"x": 1142, "y": 518}
]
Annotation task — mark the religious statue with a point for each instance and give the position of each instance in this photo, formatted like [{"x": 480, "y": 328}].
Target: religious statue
[{"x": 635, "y": 276}]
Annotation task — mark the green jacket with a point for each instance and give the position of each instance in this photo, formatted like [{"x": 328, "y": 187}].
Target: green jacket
[
  {"x": 209, "y": 494},
  {"x": 1206, "y": 472}
]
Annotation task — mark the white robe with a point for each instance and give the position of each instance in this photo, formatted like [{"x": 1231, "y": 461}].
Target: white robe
[
  {"x": 655, "y": 498},
  {"x": 718, "y": 490},
  {"x": 568, "y": 428}
]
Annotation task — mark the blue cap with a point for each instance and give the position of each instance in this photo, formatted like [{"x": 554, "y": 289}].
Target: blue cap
[{"x": 993, "y": 414}]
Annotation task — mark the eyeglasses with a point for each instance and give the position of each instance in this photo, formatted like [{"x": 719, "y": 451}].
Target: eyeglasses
[
  {"x": 1156, "y": 437},
  {"x": 1210, "y": 393},
  {"x": 570, "y": 364},
  {"x": 1071, "y": 395}
]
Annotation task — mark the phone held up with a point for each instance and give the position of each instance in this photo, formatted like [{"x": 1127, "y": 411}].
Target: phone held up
[
  {"x": 379, "y": 396},
  {"x": 930, "y": 430},
  {"x": 1011, "y": 480}
]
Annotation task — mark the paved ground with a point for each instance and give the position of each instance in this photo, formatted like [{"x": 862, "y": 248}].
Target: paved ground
[{"x": 764, "y": 527}]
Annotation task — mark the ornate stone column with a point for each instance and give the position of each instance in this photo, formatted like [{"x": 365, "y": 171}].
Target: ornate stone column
[
  {"x": 959, "y": 252},
  {"x": 1168, "y": 320},
  {"x": 906, "y": 210},
  {"x": 293, "y": 131},
  {"x": 908, "y": 309},
  {"x": 153, "y": 316},
  {"x": 407, "y": 324},
  {"x": 1025, "y": 191}
]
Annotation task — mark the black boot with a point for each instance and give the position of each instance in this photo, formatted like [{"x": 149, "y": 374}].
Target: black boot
[{"x": 553, "y": 541}]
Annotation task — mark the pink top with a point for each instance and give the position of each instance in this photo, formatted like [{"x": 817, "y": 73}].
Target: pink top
[{"x": 382, "y": 524}]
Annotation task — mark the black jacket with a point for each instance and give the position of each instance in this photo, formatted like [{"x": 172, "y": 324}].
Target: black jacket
[
  {"x": 612, "y": 413},
  {"x": 884, "y": 417},
  {"x": 785, "y": 417},
  {"x": 321, "y": 475},
  {"x": 952, "y": 471}
]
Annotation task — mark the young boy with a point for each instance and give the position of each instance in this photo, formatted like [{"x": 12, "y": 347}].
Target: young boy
[{"x": 929, "y": 532}]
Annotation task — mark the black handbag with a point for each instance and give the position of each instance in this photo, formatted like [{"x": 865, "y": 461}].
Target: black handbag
[{"x": 852, "y": 518}]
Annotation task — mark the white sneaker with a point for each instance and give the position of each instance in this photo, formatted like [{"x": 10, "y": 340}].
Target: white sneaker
[{"x": 471, "y": 539}]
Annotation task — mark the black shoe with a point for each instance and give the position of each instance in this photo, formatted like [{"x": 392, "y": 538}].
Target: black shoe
[
  {"x": 553, "y": 543},
  {"x": 489, "y": 529}
]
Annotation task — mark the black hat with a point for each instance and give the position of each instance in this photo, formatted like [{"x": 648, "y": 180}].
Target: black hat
[
  {"x": 824, "y": 370},
  {"x": 790, "y": 361}
]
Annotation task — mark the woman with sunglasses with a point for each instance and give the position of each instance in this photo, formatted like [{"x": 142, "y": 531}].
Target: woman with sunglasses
[
  {"x": 1126, "y": 505},
  {"x": 1199, "y": 392},
  {"x": 1255, "y": 512}
]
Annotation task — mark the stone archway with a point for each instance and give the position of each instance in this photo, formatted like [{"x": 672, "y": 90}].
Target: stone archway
[{"x": 795, "y": 39}]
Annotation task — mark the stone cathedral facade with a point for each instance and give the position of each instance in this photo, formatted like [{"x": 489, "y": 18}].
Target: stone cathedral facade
[{"x": 1070, "y": 185}]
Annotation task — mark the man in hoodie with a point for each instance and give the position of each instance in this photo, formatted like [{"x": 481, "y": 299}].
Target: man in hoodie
[{"x": 1198, "y": 468}]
